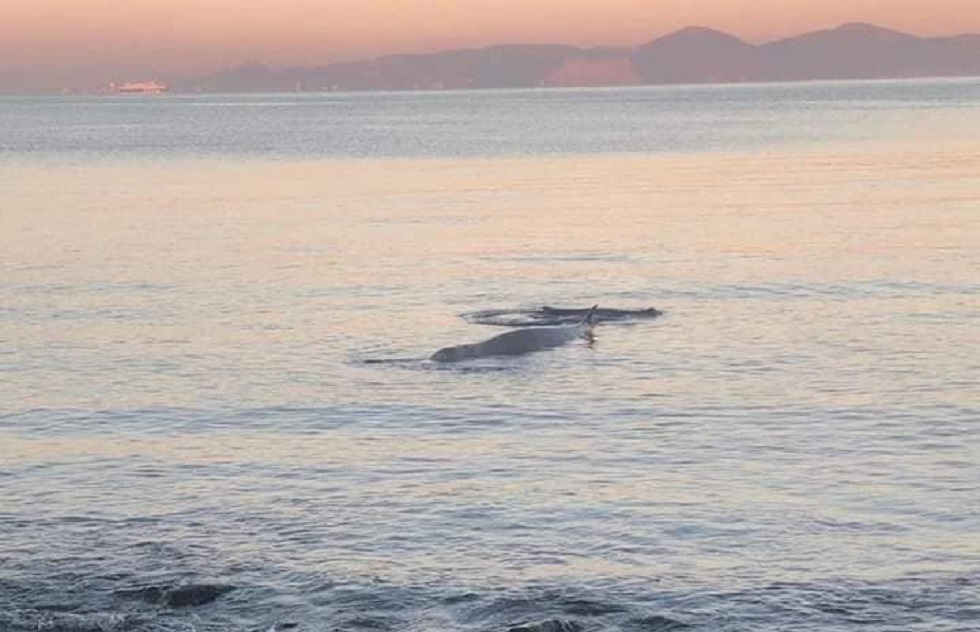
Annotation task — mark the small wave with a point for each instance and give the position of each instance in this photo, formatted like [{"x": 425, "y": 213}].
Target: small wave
[
  {"x": 397, "y": 361},
  {"x": 874, "y": 288},
  {"x": 37, "y": 620},
  {"x": 940, "y": 603},
  {"x": 559, "y": 610},
  {"x": 551, "y": 625},
  {"x": 654, "y": 623},
  {"x": 424, "y": 364}
]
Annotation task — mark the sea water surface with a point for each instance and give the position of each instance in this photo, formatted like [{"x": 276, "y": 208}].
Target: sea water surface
[{"x": 217, "y": 410}]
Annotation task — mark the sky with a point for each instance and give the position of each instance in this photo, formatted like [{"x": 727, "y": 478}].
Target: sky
[{"x": 206, "y": 35}]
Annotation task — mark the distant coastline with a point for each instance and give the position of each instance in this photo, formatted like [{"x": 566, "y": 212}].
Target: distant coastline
[{"x": 690, "y": 55}]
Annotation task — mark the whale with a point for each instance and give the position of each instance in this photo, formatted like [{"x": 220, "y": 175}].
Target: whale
[
  {"x": 603, "y": 314},
  {"x": 551, "y": 316},
  {"x": 520, "y": 341}
]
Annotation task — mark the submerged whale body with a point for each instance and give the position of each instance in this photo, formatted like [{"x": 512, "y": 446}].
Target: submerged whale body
[
  {"x": 520, "y": 341},
  {"x": 605, "y": 313},
  {"x": 550, "y": 316}
]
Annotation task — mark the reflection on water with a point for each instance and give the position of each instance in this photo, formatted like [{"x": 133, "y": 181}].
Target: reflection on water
[
  {"x": 213, "y": 375},
  {"x": 257, "y": 281}
]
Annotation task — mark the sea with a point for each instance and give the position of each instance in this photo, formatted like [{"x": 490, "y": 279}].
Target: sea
[{"x": 219, "y": 412}]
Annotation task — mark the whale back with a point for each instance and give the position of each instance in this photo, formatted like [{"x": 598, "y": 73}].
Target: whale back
[
  {"x": 453, "y": 354},
  {"x": 513, "y": 343},
  {"x": 520, "y": 341}
]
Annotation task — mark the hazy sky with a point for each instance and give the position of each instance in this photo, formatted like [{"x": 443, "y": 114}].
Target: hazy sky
[{"x": 187, "y": 35}]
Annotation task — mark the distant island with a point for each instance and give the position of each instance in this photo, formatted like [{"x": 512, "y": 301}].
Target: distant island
[{"x": 691, "y": 55}]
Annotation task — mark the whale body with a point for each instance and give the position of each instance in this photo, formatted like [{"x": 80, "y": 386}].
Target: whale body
[
  {"x": 601, "y": 314},
  {"x": 519, "y": 341},
  {"x": 551, "y": 316}
]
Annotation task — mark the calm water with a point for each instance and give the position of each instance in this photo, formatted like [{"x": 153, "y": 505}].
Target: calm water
[{"x": 217, "y": 312}]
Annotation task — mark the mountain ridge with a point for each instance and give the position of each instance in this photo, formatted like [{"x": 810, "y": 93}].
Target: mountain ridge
[{"x": 694, "y": 54}]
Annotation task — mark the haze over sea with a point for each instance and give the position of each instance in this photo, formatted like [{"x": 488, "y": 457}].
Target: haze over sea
[{"x": 217, "y": 410}]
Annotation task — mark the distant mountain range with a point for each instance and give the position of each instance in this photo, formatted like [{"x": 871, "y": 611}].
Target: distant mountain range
[{"x": 691, "y": 55}]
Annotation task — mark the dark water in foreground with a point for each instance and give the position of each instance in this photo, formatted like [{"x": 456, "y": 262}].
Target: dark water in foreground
[{"x": 217, "y": 412}]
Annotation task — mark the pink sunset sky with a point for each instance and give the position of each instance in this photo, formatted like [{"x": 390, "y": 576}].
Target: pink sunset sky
[{"x": 203, "y": 35}]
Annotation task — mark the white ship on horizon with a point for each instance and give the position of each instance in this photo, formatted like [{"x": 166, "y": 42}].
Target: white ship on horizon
[{"x": 140, "y": 87}]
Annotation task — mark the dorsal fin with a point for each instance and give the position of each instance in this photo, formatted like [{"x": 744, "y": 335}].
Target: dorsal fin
[{"x": 587, "y": 320}]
